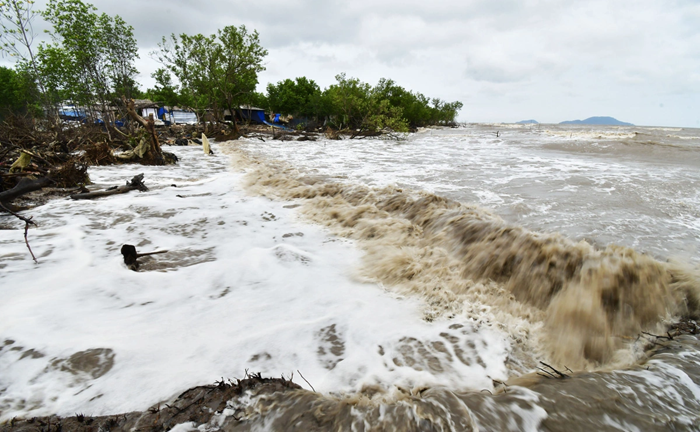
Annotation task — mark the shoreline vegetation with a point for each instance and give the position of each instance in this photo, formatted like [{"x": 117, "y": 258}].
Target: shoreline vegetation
[{"x": 69, "y": 103}]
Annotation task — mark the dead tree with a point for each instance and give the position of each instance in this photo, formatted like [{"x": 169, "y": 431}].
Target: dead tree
[{"x": 154, "y": 153}]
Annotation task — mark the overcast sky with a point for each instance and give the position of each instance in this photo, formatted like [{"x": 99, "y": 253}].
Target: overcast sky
[{"x": 506, "y": 60}]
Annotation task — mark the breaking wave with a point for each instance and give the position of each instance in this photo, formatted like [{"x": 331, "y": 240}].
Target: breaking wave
[{"x": 566, "y": 301}]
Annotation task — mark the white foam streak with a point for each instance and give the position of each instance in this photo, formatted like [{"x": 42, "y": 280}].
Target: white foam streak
[{"x": 240, "y": 289}]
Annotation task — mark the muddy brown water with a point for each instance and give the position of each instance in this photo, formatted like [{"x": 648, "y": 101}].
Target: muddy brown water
[{"x": 590, "y": 232}]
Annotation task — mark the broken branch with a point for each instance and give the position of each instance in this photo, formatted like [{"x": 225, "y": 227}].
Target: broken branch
[
  {"x": 135, "y": 183},
  {"x": 24, "y": 187},
  {"x": 561, "y": 375},
  {"x": 27, "y": 222}
]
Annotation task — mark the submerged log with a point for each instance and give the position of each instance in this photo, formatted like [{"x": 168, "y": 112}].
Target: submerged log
[{"x": 135, "y": 183}]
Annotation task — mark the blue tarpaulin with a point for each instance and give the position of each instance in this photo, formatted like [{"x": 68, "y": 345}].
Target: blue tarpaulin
[
  {"x": 253, "y": 114},
  {"x": 278, "y": 125}
]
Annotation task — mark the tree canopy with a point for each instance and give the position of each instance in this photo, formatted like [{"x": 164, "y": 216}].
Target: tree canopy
[
  {"x": 91, "y": 57},
  {"x": 90, "y": 61},
  {"x": 299, "y": 97},
  {"x": 219, "y": 71},
  {"x": 353, "y": 104},
  {"x": 17, "y": 91}
]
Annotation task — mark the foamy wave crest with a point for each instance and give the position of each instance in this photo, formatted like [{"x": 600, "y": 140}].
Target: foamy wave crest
[
  {"x": 558, "y": 299},
  {"x": 591, "y": 134}
]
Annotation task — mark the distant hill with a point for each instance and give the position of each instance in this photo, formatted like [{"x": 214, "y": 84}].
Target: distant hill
[
  {"x": 527, "y": 122},
  {"x": 608, "y": 121}
]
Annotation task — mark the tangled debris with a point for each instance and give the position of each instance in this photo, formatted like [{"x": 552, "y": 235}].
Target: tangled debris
[
  {"x": 59, "y": 157},
  {"x": 198, "y": 405}
]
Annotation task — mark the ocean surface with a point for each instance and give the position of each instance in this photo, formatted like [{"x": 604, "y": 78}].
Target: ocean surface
[{"x": 487, "y": 277}]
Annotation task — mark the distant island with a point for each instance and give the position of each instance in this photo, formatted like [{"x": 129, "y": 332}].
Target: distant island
[
  {"x": 608, "y": 121},
  {"x": 528, "y": 122}
]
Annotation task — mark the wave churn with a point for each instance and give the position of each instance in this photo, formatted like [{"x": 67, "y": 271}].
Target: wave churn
[{"x": 568, "y": 302}]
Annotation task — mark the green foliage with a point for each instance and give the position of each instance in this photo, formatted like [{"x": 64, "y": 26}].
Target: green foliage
[
  {"x": 17, "y": 39},
  {"x": 298, "y": 97},
  {"x": 356, "y": 105},
  {"x": 18, "y": 92},
  {"x": 353, "y": 104},
  {"x": 8, "y": 89},
  {"x": 219, "y": 71},
  {"x": 17, "y": 35},
  {"x": 164, "y": 92},
  {"x": 90, "y": 61},
  {"x": 91, "y": 58},
  {"x": 258, "y": 100},
  {"x": 121, "y": 51},
  {"x": 418, "y": 110}
]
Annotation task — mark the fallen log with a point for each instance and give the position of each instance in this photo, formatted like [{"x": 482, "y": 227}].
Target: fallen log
[
  {"x": 24, "y": 187},
  {"x": 136, "y": 183}
]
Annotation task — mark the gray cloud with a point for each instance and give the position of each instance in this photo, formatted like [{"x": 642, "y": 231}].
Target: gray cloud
[{"x": 506, "y": 59}]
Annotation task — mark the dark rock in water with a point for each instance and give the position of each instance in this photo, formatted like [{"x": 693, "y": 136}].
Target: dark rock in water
[
  {"x": 170, "y": 158},
  {"x": 197, "y": 140},
  {"x": 528, "y": 122},
  {"x": 606, "y": 121},
  {"x": 298, "y": 234},
  {"x": 181, "y": 142}
]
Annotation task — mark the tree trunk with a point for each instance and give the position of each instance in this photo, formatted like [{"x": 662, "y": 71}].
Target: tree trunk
[{"x": 155, "y": 154}]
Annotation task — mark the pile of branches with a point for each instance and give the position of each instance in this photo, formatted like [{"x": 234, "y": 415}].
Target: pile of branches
[
  {"x": 59, "y": 154},
  {"x": 30, "y": 152}
]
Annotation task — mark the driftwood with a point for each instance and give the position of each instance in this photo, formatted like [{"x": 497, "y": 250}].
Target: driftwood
[
  {"x": 23, "y": 187},
  {"x": 197, "y": 406},
  {"x": 131, "y": 256},
  {"x": 135, "y": 183}
]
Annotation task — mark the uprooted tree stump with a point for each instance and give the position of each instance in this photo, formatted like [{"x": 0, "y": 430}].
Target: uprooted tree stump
[{"x": 149, "y": 152}]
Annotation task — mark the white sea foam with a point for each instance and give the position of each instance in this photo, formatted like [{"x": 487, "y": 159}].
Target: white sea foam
[{"x": 244, "y": 286}]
